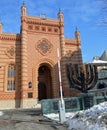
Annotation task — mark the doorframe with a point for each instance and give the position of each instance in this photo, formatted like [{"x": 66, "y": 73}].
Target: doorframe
[
  {"x": 39, "y": 94},
  {"x": 46, "y": 79},
  {"x": 51, "y": 65}
]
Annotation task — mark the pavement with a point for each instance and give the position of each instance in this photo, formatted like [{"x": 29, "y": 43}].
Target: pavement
[{"x": 28, "y": 119}]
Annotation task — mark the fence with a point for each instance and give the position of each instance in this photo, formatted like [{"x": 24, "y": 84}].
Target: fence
[{"x": 84, "y": 101}]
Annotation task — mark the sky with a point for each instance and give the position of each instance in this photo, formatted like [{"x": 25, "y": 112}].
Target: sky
[{"x": 86, "y": 15}]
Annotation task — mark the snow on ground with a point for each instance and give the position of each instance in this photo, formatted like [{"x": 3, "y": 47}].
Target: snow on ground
[
  {"x": 94, "y": 118},
  {"x": 1, "y": 113}
]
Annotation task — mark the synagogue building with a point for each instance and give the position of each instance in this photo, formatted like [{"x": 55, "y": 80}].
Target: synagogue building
[{"x": 29, "y": 61}]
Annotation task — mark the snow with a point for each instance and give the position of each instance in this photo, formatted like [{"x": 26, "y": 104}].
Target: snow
[
  {"x": 98, "y": 61},
  {"x": 1, "y": 113},
  {"x": 94, "y": 118}
]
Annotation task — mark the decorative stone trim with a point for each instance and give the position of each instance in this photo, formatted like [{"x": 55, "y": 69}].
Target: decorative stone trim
[
  {"x": 12, "y": 37},
  {"x": 38, "y": 21},
  {"x": 69, "y": 53},
  {"x": 35, "y": 68},
  {"x": 43, "y": 29},
  {"x": 44, "y": 46},
  {"x": 10, "y": 52},
  {"x": 30, "y": 27}
]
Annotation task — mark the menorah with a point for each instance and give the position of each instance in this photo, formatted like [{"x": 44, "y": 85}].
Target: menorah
[{"x": 82, "y": 77}]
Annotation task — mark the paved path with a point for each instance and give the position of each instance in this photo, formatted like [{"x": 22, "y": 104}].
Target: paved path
[{"x": 27, "y": 119}]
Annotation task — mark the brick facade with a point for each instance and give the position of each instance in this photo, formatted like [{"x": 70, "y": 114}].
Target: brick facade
[{"x": 32, "y": 55}]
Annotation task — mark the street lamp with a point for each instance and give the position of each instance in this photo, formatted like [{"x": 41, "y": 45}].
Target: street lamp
[{"x": 61, "y": 101}]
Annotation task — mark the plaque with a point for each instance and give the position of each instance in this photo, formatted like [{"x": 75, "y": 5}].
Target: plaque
[
  {"x": 55, "y": 105},
  {"x": 100, "y": 100},
  {"x": 88, "y": 102},
  {"x": 71, "y": 104}
]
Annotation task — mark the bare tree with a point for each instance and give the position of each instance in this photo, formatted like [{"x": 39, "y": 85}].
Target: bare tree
[{"x": 103, "y": 6}]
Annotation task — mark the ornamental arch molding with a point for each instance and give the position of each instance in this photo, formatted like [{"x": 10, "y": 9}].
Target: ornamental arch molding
[
  {"x": 45, "y": 61},
  {"x": 50, "y": 64}
]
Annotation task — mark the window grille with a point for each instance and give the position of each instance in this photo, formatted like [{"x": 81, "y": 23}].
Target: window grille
[{"x": 11, "y": 77}]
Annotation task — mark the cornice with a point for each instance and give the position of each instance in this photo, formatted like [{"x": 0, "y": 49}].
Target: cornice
[
  {"x": 69, "y": 41},
  {"x": 10, "y": 37},
  {"x": 72, "y": 44},
  {"x": 41, "y": 21}
]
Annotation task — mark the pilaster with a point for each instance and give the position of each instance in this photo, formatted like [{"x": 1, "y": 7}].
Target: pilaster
[
  {"x": 24, "y": 77},
  {"x": 62, "y": 50},
  {"x": 0, "y": 28}
]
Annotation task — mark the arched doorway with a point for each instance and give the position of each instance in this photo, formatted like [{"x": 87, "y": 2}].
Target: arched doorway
[
  {"x": 44, "y": 82},
  {"x": 42, "y": 91}
]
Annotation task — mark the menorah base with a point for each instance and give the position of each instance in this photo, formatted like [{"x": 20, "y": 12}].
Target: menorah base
[{"x": 86, "y": 100}]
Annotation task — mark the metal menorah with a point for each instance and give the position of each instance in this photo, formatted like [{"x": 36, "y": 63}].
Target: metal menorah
[{"x": 82, "y": 77}]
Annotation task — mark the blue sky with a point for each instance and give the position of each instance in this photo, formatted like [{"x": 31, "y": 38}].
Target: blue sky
[{"x": 85, "y": 14}]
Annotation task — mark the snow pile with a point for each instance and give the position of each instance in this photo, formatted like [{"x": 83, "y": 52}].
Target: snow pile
[
  {"x": 55, "y": 117},
  {"x": 94, "y": 118},
  {"x": 1, "y": 113}
]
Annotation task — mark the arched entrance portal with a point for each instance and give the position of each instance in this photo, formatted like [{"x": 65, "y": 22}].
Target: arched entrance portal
[{"x": 44, "y": 82}]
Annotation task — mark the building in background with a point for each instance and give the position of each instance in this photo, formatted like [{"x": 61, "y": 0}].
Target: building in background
[
  {"x": 101, "y": 85},
  {"x": 29, "y": 61},
  {"x": 100, "y": 59}
]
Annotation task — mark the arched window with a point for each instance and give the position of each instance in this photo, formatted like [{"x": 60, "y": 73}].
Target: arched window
[{"x": 11, "y": 77}]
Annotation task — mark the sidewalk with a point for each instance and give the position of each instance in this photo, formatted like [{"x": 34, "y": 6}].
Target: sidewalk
[{"x": 27, "y": 119}]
